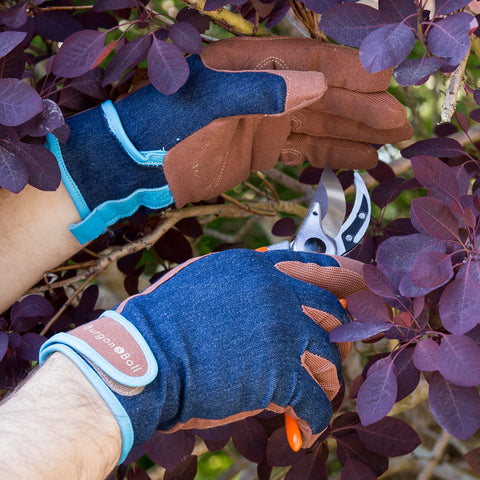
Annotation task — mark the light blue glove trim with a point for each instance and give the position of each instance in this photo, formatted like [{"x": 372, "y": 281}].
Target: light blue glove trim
[
  {"x": 111, "y": 400},
  {"x": 54, "y": 146},
  {"x": 106, "y": 214},
  {"x": 152, "y": 157}
]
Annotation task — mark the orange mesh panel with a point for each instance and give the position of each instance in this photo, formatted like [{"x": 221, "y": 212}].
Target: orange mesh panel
[
  {"x": 338, "y": 280},
  {"x": 323, "y": 372},
  {"x": 328, "y": 323}
]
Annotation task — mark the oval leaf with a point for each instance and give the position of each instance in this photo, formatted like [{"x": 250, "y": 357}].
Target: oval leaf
[
  {"x": 186, "y": 37},
  {"x": 357, "y": 470},
  {"x": 386, "y": 47},
  {"x": 167, "y": 68},
  {"x": 367, "y": 307},
  {"x": 9, "y": 40},
  {"x": 350, "y": 23},
  {"x": 377, "y": 394},
  {"x": 435, "y": 217},
  {"x": 425, "y": 356},
  {"x": 250, "y": 439},
  {"x": 459, "y": 360},
  {"x": 354, "y": 331},
  {"x": 78, "y": 53},
  {"x": 456, "y": 409},
  {"x": 449, "y": 37},
  {"x": 416, "y": 70},
  {"x": 390, "y": 437},
  {"x": 459, "y": 305},
  {"x": 432, "y": 269},
  {"x": 19, "y": 102},
  {"x": 13, "y": 172}
]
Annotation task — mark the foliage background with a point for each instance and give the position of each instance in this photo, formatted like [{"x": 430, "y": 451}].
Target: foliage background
[{"x": 60, "y": 57}]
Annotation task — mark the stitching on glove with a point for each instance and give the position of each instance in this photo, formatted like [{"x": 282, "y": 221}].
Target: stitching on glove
[{"x": 272, "y": 61}]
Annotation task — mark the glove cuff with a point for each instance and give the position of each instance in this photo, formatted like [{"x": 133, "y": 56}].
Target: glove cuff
[
  {"x": 118, "y": 149},
  {"x": 115, "y": 358}
]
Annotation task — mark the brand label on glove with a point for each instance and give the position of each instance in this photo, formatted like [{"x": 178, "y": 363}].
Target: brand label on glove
[{"x": 115, "y": 344}]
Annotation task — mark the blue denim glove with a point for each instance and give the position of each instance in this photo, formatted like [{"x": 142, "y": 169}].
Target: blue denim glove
[{"x": 218, "y": 339}]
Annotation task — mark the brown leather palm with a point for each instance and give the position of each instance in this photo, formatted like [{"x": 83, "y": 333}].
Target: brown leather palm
[{"x": 334, "y": 111}]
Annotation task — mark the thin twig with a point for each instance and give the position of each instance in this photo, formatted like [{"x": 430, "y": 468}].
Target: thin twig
[
  {"x": 437, "y": 454},
  {"x": 68, "y": 302},
  {"x": 246, "y": 206}
]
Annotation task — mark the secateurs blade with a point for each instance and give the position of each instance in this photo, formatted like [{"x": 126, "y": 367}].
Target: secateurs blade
[{"x": 325, "y": 229}]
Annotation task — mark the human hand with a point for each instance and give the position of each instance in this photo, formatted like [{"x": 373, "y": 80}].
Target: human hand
[{"x": 218, "y": 339}]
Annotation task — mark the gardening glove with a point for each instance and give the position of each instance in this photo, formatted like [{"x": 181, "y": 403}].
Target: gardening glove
[
  {"x": 220, "y": 338},
  {"x": 232, "y": 116}
]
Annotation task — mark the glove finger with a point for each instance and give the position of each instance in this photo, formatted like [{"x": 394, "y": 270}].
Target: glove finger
[
  {"x": 324, "y": 124},
  {"x": 342, "y": 277},
  {"x": 327, "y": 151},
  {"x": 341, "y": 65},
  {"x": 378, "y": 110},
  {"x": 311, "y": 407}
]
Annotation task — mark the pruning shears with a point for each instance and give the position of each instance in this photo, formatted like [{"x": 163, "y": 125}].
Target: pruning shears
[{"x": 326, "y": 230}]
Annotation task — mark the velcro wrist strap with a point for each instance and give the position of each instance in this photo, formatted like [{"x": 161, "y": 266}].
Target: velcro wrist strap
[{"x": 114, "y": 356}]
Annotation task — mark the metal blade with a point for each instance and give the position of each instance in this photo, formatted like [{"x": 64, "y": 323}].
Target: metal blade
[
  {"x": 356, "y": 224},
  {"x": 334, "y": 214}
]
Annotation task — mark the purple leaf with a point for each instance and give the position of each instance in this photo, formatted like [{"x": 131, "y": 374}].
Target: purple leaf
[
  {"x": 444, "y": 7},
  {"x": 46, "y": 121},
  {"x": 377, "y": 394},
  {"x": 435, "y": 217},
  {"x": 367, "y": 307},
  {"x": 137, "y": 473},
  {"x": 78, "y": 53},
  {"x": 167, "y": 68},
  {"x": 3, "y": 344},
  {"x": 408, "y": 375},
  {"x": 9, "y": 40},
  {"x": 353, "y": 331},
  {"x": 185, "y": 470},
  {"x": 174, "y": 247},
  {"x": 456, "y": 409},
  {"x": 350, "y": 23},
  {"x": 19, "y": 102},
  {"x": 102, "y": 5},
  {"x": 386, "y": 47},
  {"x": 186, "y": 37},
  {"x": 399, "y": 10},
  {"x": 310, "y": 467},
  {"x": 284, "y": 227},
  {"x": 435, "y": 147},
  {"x": 475, "y": 115},
  {"x": 377, "y": 282},
  {"x": 190, "y": 227},
  {"x": 90, "y": 83},
  {"x": 126, "y": 57},
  {"x": 31, "y": 306},
  {"x": 166, "y": 449},
  {"x": 13, "y": 171},
  {"x": 358, "y": 470},
  {"x": 432, "y": 269},
  {"x": 425, "y": 356},
  {"x": 399, "y": 254},
  {"x": 409, "y": 289},
  {"x": 279, "y": 453},
  {"x": 15, "y": 16},
  {"x": 432, "y": 173},
  {"x": 449, "y": 37},
  {"x": 459, "y": 360},
  {"x": 194, "y": 17},
  {"x": 473, "y": 459},
  {"x": 13, "y": 64},
  {"x": 56, "y": 26},
  {"x": 30, "y": 346},
  {"x": 42, "y": 166},
  {"x": 459, "y": 305},
  {"x": 387, "y": 192},
  {"x": 349, "y": 446},
  {"x": 250, "y": 439},
  {"x": 382, "y": 172},
  {"x": 415, "y": 70},
  {"x": 390, "y": 437}
]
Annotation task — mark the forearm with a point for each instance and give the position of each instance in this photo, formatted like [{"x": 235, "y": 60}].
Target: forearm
[
  {"x": 34, "y": 237},
  {"x": 56, "y": 426}
]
